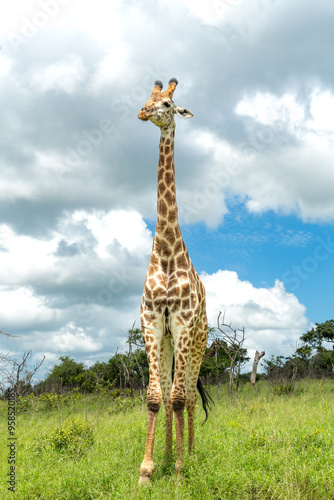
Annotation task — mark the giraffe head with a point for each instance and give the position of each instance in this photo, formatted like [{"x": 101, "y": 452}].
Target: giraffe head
[{"x": 160, "y": 108}]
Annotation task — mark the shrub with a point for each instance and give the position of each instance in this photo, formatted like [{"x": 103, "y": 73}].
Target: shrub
[
  {"x": 122, "y": 405},
  {"x": 283, "y": 389},
  {"x": 74, "y": 437}
]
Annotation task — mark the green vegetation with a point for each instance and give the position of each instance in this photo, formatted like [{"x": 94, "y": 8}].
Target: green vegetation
[
  {"x": 275, "y": 444},
  {"x": 129, "y": 370},
  {"x": 81, "y": 432}
]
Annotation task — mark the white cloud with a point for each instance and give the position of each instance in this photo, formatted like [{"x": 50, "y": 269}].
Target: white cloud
[
  {"x": 283, "y": 174},
  {"x": 66, "y": 75},
  {"x": 273, "y": 319},
  {"x": 22, "y": 256},
  {"x": 81, "y": 237},
  {"x": 88, "y": 273},
  {"x": 125, "y": 227},
  {"x": 73, "y": 339},
  {"x": 211, "y": 12},
  {"x": 268, "y": 109},
  {"x": 5, "y": 65},
  {"x": 322, "y": 111},
  {"x": 204, "y": 198},
  {"x": 115, "y": 67},
  {"x": 102, "y": 20},
  {"x": 22, "y": 309}
]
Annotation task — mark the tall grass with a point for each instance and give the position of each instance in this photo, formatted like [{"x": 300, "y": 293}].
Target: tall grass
[{"x": 271, "y": 446}]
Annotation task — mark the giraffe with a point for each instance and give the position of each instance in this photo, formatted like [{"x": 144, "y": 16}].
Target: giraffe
[{"x": 173, "y": 310}]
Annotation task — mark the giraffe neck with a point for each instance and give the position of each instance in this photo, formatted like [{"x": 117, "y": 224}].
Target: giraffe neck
[{"x": 167, "y": 229}]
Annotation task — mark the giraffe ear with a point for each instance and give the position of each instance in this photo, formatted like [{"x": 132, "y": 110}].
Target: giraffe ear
[{"x": 183, "y": 112}]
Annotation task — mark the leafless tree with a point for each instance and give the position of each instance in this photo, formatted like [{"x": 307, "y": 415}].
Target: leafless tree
[
  {"x": 18, "y": 373},
  {"x": 133, "y": 338},
  {"x": 257, "y": 358},
  {"x": 5, "y": 363},
  {"x": 234, "y": 350}
]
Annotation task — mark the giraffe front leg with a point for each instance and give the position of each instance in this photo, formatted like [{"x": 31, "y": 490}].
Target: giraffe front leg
[
  {"x": 191, "y": 383},
  {"x": 179, "y": 392},
  {"x": 179, "y": 428},
  {"x": 147, "y": 466},
  {"x": 192, "y": 373},
  {"x": 152, "y": 346},
  {"x": 166, "y": 361}
]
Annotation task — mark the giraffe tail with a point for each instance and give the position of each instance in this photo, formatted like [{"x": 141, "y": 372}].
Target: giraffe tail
[{"x": 207, "y": 400}]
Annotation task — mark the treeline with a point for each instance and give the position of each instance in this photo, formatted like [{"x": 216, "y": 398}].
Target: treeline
[
  {"x": 128, "y": 371},
  {"x": 313, "y": 357}
]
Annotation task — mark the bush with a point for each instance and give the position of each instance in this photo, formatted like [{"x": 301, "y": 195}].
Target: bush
[
  {"x": 74, "y": 437},
  {"x": 122, "y": 405},
  {"x": 283, "y": 389}
]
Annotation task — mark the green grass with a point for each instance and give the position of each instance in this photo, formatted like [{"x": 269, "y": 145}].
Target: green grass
[{"x": 272, "y": 446}]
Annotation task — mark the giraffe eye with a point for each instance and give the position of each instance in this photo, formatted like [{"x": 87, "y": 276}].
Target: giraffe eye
[{"x": 166, "y": 103}]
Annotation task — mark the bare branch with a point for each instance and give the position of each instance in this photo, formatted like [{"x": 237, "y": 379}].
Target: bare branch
[
  {"x": 20, "y": 375},
  {"x": 10, "y": 334}
]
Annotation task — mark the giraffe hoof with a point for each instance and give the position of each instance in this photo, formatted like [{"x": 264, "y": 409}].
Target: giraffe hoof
[
  {"x": 180, "y": 478},
  {"x": 144, "y": 480}
]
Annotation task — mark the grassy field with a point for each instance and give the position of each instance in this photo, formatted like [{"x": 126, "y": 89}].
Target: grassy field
[{"x": 272, "y": 446}]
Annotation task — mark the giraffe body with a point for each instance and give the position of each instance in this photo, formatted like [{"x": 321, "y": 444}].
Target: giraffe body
[{"x": 173, "y": 311}]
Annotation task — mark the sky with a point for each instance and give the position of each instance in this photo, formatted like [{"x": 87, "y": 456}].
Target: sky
[{"x": 254, "y": 166}]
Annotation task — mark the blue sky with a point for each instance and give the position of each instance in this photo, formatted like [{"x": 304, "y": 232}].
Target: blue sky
[
  {"x": 254, "y": 166},
  {"x": 262, "y": 248}
]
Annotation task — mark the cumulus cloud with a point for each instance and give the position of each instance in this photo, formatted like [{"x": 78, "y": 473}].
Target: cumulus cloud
[
  {"x": 21, "y": 309},
  {"x": 321, "y": 109},
  {"x": 285, "y": 164},
  {"x": 122, "y": 69},
  {"x": 270, "y": 128},
  {"x": 273, "y": 319},
  {"x": 298, "y": 176},
  {"x": 85, "y": 278},
  {"x": 73, "y": 339},
  {"x": 66, "y": 75}
]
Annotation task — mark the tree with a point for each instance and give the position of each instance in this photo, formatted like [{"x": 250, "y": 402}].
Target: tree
[
  {"x": 257, "y": 358},
  {"x": 314, "y": 339},
  {"x": 65, "y": 374},
  {"x": 19, "y": 374},
  {"x": 132, "y": 367},
  {"x": 214, "y": 362},
  {"x": 232, "y": 346},
  {"x": 128, "y": 369},
  {"x": 274, "y": 367},
  {"x": 135, "y": 337},
  {"x": 324, "y": 332}
]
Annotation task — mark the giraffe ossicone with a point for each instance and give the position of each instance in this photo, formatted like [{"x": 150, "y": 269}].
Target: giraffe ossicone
[{"x": 173, "y": 310}]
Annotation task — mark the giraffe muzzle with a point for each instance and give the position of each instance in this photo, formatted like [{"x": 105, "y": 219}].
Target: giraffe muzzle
[{"x": 144, "y": 115}]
